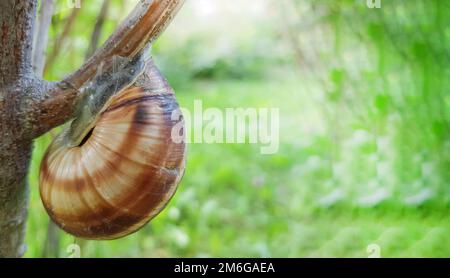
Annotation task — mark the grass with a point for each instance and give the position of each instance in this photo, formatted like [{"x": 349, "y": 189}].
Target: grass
[{"x": 235, "y": 202}]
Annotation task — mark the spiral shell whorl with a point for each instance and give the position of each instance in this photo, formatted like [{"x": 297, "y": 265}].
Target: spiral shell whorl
[{"x": 123, "y": 173}]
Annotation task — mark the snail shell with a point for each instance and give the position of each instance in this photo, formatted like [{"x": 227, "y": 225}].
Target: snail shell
[{"x": 124, "y": 171}]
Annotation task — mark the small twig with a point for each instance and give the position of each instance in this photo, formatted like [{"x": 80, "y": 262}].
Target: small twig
[
  {"x": 61, "y": 39},
  {"x": 97, "y": 29},
  {"x": 40, "y": 45}
]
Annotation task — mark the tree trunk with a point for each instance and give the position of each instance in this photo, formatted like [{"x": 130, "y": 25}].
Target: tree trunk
[
  {"x": 16, "y": 37},
  {"x": 30, "y": 106},
  {"x": 14, "y": 161}
]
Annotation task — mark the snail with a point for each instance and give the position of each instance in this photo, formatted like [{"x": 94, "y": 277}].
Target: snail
[{"x": 116, "y": 166}]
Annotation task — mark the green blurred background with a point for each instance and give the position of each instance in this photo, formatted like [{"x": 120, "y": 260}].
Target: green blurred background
[{"x": 364, "y": 158}]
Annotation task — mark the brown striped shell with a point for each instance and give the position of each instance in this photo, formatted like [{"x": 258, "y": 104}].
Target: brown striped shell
[{"x": 123, "y": 173}]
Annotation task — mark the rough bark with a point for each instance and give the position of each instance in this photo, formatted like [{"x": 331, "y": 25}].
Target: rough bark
[
  {"x": 30, "y": 106},
  {"x": 16, "y": 37}
]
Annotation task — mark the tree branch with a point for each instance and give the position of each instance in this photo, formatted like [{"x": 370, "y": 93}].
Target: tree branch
[{"x": 142, "y": 27}]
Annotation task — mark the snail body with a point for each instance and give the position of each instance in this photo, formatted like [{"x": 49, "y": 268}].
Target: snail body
[{"x": 124, "y": 168}]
